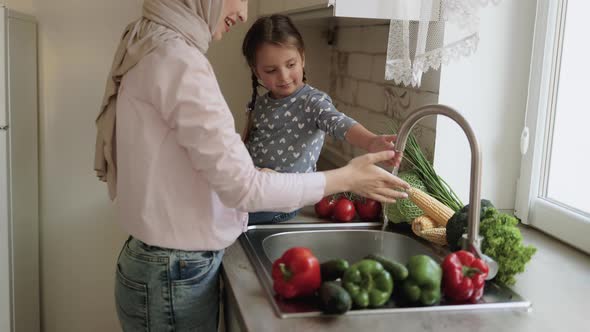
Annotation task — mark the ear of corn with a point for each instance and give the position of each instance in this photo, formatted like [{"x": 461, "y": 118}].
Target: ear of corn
[
  {"x": 435, "y": 235},
  {"x": 436, "y": 210},
  {"x": 422, "y": 223}
]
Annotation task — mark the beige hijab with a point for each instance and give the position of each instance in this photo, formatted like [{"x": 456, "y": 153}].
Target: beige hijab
[{"x": 190, "y": 20}]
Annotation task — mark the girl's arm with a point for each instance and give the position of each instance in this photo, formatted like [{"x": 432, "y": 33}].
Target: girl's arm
[
  {"x": 361, "y": 137},
  {"x": 340, "y": 126}
]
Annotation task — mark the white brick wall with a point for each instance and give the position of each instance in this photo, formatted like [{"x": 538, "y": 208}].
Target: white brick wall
[
  {"x": 346, "y": 89},
  {"x": 373, "y": 38},
  {"x": 371, "y": 96},
  {"x": 349, "y": 39},
  {"x": 360, "y": 66},
  {"x": 358, "y": 88},
  {"x": 378, "y": 68}
]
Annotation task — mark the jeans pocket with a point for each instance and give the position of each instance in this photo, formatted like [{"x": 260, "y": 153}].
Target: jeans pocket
[
  {"x": 193, "y": 270},
  {"x": 196, "y": 298},
  {"x": 131, "y": 298}
]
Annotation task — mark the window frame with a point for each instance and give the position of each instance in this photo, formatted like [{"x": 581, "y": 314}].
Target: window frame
[{"x": 531, "y": 206}]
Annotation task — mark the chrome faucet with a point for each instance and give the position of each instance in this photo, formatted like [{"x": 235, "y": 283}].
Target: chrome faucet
[{"x": 473, "y": 240}]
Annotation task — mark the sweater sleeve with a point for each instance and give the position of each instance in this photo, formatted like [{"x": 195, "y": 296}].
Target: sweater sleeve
[{"x": 328, "y": 118}]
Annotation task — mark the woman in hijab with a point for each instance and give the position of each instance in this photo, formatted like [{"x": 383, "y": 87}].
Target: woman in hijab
[{"x": 182, "y": 178}]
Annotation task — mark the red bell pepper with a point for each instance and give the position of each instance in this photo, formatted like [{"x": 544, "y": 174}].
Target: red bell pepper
[
  {"x": 296, "y": 273},
  {"x": 463, "y": 277}
]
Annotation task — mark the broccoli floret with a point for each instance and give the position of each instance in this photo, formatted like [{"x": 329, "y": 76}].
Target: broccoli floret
[{"x": 457, "y": 225}]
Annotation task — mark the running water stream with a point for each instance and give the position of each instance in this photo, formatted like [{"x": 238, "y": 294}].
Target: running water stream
[{"x": 384, "y": 218}]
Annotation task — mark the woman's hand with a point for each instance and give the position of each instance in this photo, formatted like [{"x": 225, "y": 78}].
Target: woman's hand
[{"x": 362, "y": 177}]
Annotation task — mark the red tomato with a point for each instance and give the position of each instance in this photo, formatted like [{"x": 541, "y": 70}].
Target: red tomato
[
  {"x": 367, "y": 208},
  {"x": 325, "y": 207},
  {"x": 344, "y": 210}
]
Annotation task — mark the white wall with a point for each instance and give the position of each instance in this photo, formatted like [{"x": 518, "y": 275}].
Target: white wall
[
  {"x": 490, "y": 89},
  {"x": 80, "y": 238}
]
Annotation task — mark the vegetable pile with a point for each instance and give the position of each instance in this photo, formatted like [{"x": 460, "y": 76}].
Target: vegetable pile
[
  {"x": 435, "y": 185},
  {"x": 431, "y": 200},
  {"x": 376, "y": 281},
  {"x": 445, "y": 219},
  {"x": 438, "y": 216},
  {"x": 368, "y": 283},
  {"x": 502, "y": 240}
]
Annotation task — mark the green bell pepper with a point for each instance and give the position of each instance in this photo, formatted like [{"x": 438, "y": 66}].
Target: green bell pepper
[
  {"x": 422, "y": 287},
  {"x": 368, "y": 283}
]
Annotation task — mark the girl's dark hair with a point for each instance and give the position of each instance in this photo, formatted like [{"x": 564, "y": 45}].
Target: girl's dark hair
[{"x": 275, "y": 29}]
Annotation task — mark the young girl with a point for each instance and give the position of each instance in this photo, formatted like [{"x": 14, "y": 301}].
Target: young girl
[{"x": 286, "y": 126}]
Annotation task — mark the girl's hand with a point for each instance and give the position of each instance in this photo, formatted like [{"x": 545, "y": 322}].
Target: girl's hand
[
  {"x": 382, "y": 143},
  {"x": 362, "y": 177}
]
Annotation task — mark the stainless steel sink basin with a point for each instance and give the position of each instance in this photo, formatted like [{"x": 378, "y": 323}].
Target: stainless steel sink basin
[{"x": 265, "y": 243}]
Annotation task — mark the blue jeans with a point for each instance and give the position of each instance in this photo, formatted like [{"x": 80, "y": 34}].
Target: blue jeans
[
  {"x": 159, "y": 289},
  {"x": 260, "y": 218}
]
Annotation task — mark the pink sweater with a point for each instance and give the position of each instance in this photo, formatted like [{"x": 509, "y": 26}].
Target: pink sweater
[{"x": 185, "y": 179}]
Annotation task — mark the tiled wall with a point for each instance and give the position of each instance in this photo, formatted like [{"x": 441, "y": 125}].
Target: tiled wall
[{"x": 356, "y": 84}]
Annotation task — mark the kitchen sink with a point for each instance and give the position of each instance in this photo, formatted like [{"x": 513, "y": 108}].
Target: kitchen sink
[{"x": 352, "y": 241}]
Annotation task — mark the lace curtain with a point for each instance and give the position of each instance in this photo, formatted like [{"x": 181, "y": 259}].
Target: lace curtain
[{"x": 416, "y": 36}]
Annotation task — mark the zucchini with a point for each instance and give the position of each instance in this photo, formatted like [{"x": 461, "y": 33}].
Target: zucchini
[
  {"x": 333, "y": 269},
  {"x": 334, "y": 298},
  {"x": 397, "y": 270}
]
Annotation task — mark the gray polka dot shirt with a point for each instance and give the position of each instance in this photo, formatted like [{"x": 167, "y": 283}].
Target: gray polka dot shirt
[{"x": 287, "y": 134}]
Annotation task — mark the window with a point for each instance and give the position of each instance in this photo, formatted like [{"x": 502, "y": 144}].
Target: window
[{"x": 554, "y": 186}]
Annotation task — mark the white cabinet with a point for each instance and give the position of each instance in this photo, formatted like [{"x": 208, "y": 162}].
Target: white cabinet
[
  {"x": 299, "y": 5},
  {"x": 268, "y": 7},
  {"x": 377, "y": 9}
]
